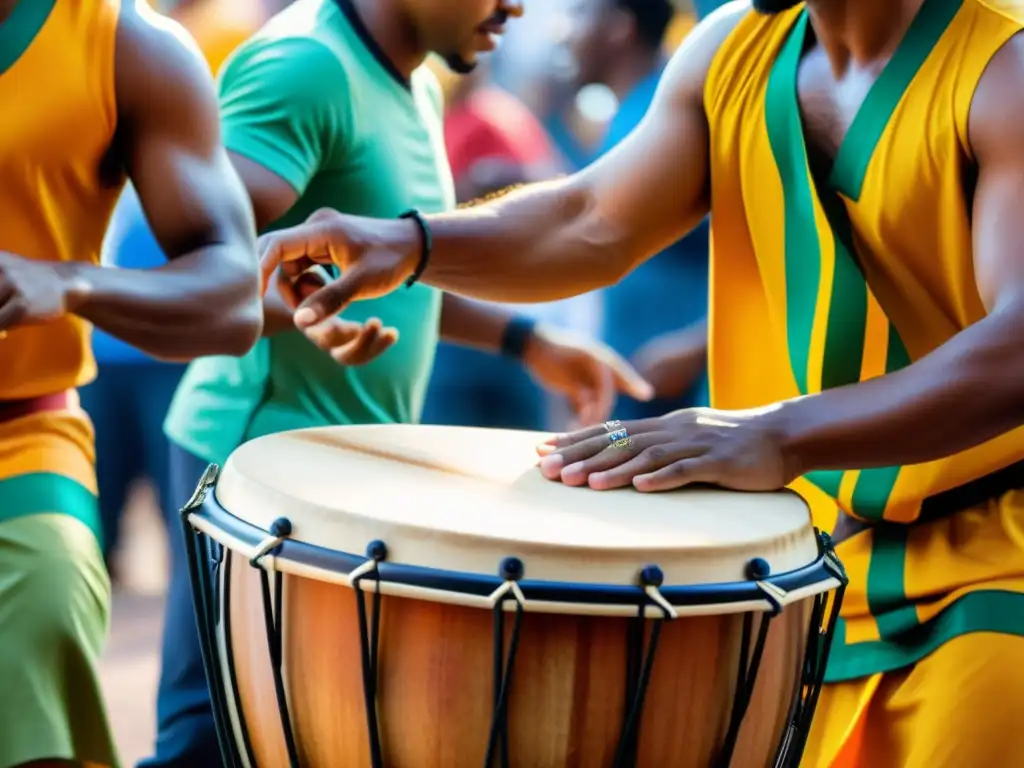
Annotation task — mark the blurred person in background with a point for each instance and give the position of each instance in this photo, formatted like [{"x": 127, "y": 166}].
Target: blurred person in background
[
  {"x": 329, "y": 104},
  {"x": 656, "y": 314},
  {"x": 493, "y": 142}
]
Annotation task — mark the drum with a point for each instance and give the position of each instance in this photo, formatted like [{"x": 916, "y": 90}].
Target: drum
[{"x": 420, "y": 597}]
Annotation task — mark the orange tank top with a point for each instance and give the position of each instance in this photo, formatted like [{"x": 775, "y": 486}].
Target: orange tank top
[{"x": 57, "y": 85}]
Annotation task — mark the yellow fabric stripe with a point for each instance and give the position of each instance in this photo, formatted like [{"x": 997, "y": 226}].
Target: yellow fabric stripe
[
  {"x": 819, "y": 329},
  {"x": 60, "y": 443},
  {"x": 876, "y": 340}
]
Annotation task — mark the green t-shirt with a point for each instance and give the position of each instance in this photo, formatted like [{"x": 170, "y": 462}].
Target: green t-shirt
[{"x": 308, "y": 99}]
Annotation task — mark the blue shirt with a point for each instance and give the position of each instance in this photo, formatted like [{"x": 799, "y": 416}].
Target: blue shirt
[{"x": 668, "y": 292}]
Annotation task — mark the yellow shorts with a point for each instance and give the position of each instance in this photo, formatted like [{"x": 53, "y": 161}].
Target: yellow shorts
[{"x": 960, "y": 707}]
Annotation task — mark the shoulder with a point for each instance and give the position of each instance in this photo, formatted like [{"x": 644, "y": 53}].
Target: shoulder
[
  {"x": 294, "y": 65},
  {"x": 690, "y": 65},
  {"x": 158, "y": 63},
  {"x": 997, "y": 108}
]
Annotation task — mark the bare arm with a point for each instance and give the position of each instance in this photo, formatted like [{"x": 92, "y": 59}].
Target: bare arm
[
  {"x": 968, "y": 390},
  {"x": 545, "y": 241},
  {"x": 565, "y": 237},
  {"x": 205, "y": 300}
]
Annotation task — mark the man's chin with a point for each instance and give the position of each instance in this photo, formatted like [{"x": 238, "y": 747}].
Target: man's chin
[{"x": 459, "y": 64}]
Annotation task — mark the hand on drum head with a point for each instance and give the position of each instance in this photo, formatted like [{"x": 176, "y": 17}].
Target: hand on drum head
[
  {"x": 348, "y": 342},
  {"x": 741, "y": 450}
]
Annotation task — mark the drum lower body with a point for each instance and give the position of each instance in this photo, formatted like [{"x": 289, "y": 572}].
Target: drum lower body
[
  {"x": 315, "y": 674},
  {"x": 435, "y": 689}
]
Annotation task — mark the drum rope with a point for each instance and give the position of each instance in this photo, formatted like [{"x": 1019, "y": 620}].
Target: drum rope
[
  {"x": 369, "y": 642},
  {"x": 273, "y": 619},
  {"x": 640, "y": 662},
  {"x": 512, "y": 571},
  {"x": 750, "y": 659}
]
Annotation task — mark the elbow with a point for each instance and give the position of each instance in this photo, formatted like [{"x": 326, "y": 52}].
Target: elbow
[{"x": 241, "y": 331}]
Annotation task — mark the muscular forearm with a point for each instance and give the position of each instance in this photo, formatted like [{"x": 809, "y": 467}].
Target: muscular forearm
[
  {"x": 473, "y": 323},
  {"x": 542, "y": 242},
  {"x": 962, "y": 394},
  {"x": 203, "y": 303}
]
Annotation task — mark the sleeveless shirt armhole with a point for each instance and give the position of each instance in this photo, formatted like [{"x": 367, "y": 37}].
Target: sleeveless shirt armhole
[
  {"x": 103, "y": 32},
  {"x": 996, "y": 29}
]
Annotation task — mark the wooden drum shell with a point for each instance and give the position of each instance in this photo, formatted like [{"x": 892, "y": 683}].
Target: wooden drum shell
[{"x": 435, "y": 687}]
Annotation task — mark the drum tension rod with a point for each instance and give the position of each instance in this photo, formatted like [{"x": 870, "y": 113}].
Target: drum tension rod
[
  {"x": 369, "y": 641},
  {"x": 512, "y": 571},
  {"x": 640, "y": 663}
]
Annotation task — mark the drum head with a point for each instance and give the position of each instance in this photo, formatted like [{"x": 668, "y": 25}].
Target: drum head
[{"x": 462, "y": 499}]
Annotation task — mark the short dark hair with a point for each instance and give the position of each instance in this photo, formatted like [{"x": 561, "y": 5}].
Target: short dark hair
[{"x": 652, "y": 19}]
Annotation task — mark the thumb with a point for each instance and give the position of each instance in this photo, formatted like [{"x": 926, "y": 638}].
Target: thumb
[
  {"x": 330, "y": 300},
  {"x": 628, "y": 380}
]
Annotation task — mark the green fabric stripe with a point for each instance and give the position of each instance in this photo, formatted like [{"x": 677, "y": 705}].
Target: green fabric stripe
[
  {"x": 46, "y": 492},
  {"x": 857, "y": 149},
  {"x": 828, "y": 480},
  {"x": 802, "y": 249},
  {"x": 20, "y": 28},
  {"x": 887, "y": 599},
  {"x": 848, "y": 309},
  {"x": 982, "y": 611},
  {"x": 871, "y": 494}
]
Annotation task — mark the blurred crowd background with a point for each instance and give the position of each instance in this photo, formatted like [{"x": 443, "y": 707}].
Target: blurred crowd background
[{"x": 569, "y": 81}]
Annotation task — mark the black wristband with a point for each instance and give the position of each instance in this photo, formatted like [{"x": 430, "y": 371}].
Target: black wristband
[
  {"x": 426, "y": 245},
  {"x": 516, "y": 336}
]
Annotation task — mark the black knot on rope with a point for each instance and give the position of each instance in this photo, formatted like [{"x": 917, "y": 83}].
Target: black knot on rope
[
  {"x": 758, "y": 569},
  {"x": 651, "y": 576},
  {"x": 826, "y": 541},
  {"x": 377, "y": 550},
  {"x": 281, "y": 527},
  {"x": 511, "y": 569}
]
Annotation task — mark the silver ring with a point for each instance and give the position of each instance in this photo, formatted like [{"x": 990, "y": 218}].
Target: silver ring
[
  {"x": 613, "y": 426},
  {"x": 615, "y": 437}
]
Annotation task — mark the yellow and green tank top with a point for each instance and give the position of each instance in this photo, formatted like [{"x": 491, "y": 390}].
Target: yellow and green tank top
[
  {"x": 822, "y": 283},
  {"x": 59, "y": 117}
]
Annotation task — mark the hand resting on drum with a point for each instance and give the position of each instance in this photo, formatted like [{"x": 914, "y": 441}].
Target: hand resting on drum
[
  {"x": 346, "y": 341},
  {"x": 740, "y": 450}
]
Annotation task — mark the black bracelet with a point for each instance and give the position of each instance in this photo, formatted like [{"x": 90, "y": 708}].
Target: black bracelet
[
  {"x": 426, "y": 244},
  {"x": 516, "y": 336}
]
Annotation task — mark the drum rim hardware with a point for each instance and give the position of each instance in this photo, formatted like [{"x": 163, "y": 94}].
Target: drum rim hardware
[{"x": 507, "y": 591}]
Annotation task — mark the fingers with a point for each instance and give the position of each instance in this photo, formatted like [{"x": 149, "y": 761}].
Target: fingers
[
  {"x": 656, "y": 457},
  {"x": 701, "y": 469},
  {"x": 316, "y": 240},
  {"x": 352, "y": 343},
  {"x": 627, "y": 379},
  {"x": 295, "y": 289},
  {"x": 555, "y": 465},
  {"x": 335, "y": 296},
  {"x": 556, "y": 442},
  {"x": 595, "y": 405}
]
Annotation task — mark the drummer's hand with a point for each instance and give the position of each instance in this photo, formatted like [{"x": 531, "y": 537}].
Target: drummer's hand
[
  {"x": 346, "y": 341},
  {"x": 740, "y": 450},
  {"x": 375, "y": 256},
  {"x": 585, "y": 371}
]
